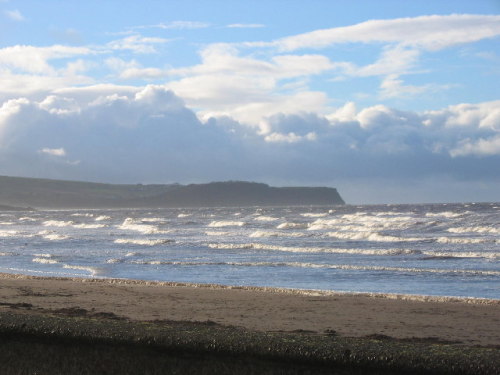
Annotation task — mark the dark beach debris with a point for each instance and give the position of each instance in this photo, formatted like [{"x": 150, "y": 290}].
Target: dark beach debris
[{"x": 322, "y": 352}]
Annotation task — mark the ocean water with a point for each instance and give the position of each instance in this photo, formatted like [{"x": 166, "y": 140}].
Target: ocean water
[{"x": 431, "y": 250}]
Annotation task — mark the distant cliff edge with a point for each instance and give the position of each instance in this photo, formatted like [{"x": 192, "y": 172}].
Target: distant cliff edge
[{"x": 45, "y": 193}]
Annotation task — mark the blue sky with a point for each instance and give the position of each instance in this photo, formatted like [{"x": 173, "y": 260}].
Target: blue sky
[{"x": 390, "y": 101}]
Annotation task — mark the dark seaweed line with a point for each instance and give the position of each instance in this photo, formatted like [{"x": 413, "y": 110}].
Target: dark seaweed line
[{"x": 218, "y": 345}]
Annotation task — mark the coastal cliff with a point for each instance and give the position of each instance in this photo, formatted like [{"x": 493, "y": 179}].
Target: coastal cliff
[{"x": 45, "y": 193}]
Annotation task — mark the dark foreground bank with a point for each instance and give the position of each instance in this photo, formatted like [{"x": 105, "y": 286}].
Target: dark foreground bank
[{"x": 75, "y": 342}]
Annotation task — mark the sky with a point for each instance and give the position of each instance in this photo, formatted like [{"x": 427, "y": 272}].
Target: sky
[{"x": 389, "y": 101}]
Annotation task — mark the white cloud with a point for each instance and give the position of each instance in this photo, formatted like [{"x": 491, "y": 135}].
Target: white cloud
[
  {"x": 180, "y": 25},
  {"x": 137, "y": 44},
  {"x": 53, "y": 151},
  {"x": 245, "y": 26},
  {"x": 14, "y": 15},
  {"x": 35, "y": 60},
  {"x": 427, "y": 32},
  {"x": 135, "y": 135}
]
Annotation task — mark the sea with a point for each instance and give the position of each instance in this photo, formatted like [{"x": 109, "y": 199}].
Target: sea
[{"x": 437, "y": 250}]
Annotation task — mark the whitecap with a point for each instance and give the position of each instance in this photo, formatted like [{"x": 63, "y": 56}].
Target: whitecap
[
  {"x": 258, "y": 246},
  {"x": 102, "y": 218},
  {"x": 58, "y": 223},
  {"x": 219, "y": 224},
  {"x": 292, "y": 226},
  {"x": 44, "y": 260},
  {"x": 314, "y": 214},
  {"x": 475, "y": 229},
  {"x": 144, "y": 242},
  {"x": 133, "y": 225},
  {"x": 265, "y": 218}
]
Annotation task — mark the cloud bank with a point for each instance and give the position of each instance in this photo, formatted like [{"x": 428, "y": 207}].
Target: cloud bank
[{"x": 151, "y": 135}]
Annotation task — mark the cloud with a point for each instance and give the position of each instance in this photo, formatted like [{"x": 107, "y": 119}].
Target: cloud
[
  {"x": 14, "y": 15},
  {"x": 427, "y": 32},
  {"x": 245, "y": 26},
  {"x": 179, "y": 25},
  {"x": 137, "y": 44},
  {"x": 53, "y": 151},
  {"x": 150, "y": 135}
]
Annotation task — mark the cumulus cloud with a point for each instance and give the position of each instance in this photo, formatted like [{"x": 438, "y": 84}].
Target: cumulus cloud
[{"x": 150, "y": 135}]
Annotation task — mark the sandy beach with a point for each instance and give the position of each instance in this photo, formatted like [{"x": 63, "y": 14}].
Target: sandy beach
[{"x": 470, "y": 322}]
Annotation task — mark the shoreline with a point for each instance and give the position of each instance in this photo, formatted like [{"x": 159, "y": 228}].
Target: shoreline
[{"x": 266, "y": 289}]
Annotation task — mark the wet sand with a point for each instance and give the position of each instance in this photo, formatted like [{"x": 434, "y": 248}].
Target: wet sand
[{"x": 470, "y": 322}]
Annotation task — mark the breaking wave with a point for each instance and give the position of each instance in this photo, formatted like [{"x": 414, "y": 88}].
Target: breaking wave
[
  {"x": 263, "y": 234},
  {"x": 102, "y": 218},
  {"x": 135, "y": 225},
  {"x": 477, "y": 229},
  {"x": 372, "y": 236},
  {"x": 292, "y": 226},
  {"x": 143, "y": 242},
  {"x": 265, "y": 218},
  {"x": 220, "y": 224},
  {"x": 258, "y": 246}
]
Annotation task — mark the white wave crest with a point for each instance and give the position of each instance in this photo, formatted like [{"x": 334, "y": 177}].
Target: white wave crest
[
  {"x": 7, "y": 254},
  {"x": 446, "y": 214},
  {"x": 55, "y": 237},
  {"x": 89, "y": 226},
  {"x": 114, "y": 260},
  {"x": 213, "y": 233},
  {"x": 93, "y": 271},
  {"x": 258, "y": 246},
  {"x": 263, "y": 234},
  {"x": 9, "y": 233},
  {"x": 183, "y": 215},
  {"x": 363, "y": 268},
  {"x": 219, "y": 224},
  {"x": 462, "y": 254},
  {"x": 6, "y": 223},
  {"x": 102, "y": 218},
  {"x": 44, "y": 260},
  {"x": 371, "y": 236},
  {"x": 133, "y": 225},
  {"x": 314, "y": 215},
  {"x": 458, "y": 240},
  {"x": 265, "y": 218},
  {"x": 82, "y": 215},
  {"x": 152, "y": 220},
  {"x": 292, "y": 226},
  {"x": 58, "y": 223},
  {"x": 143, "y": 242},
  {"x": 25, "y": 218},
  {"x": 477, "y": 229}
]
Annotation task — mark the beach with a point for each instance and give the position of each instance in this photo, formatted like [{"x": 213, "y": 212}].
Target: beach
[
  {"x": 413, "y": 331},
  {"x": 470, "y": 322}
]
